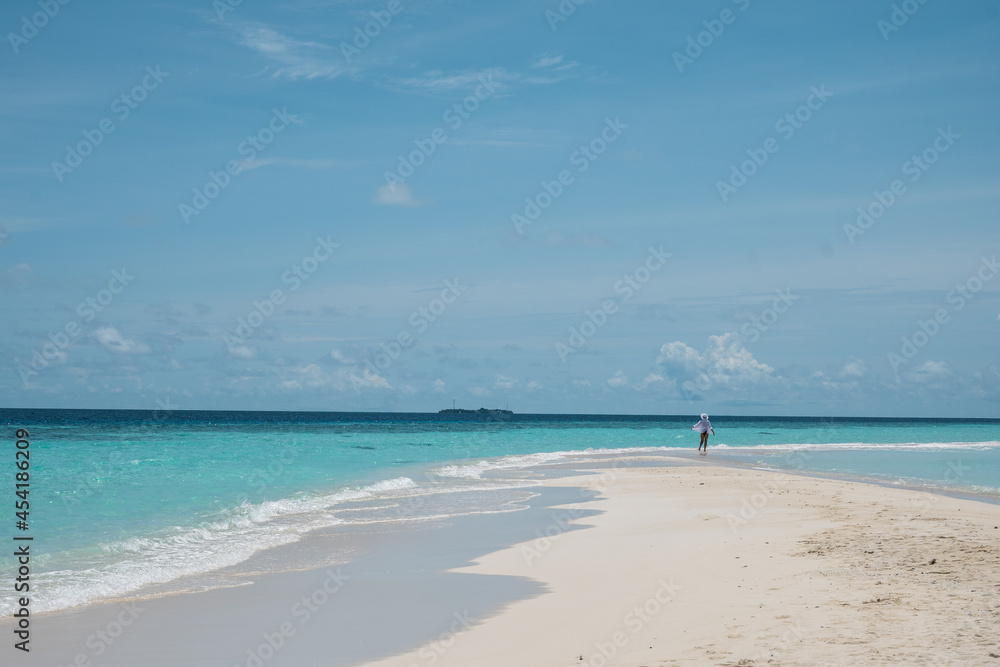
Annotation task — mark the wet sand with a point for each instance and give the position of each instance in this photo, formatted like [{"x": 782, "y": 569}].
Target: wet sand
[{"x": 618, "y": 566}]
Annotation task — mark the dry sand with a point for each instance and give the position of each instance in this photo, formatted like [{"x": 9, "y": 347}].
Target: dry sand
[{"x": 725, "y": 566}]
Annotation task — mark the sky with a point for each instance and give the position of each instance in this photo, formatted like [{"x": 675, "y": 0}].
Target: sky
[{"x": 586, "y": 206}]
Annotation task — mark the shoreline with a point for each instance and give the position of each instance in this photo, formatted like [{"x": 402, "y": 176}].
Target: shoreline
[
  {"x": 527, "y": 476},
  {"x": 487, "y": 554},
  {"x": 911, "y": 484},
  {"x": 836, "y": 578}
]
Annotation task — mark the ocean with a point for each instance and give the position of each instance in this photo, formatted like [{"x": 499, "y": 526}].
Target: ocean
[{"x": 131, "y": 503}]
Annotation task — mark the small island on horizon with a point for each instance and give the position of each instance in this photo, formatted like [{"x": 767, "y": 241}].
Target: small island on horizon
[{"x": 480, "y": 411}]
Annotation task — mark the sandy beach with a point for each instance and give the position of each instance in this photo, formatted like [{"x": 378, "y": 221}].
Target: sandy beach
[
  {"x": 719, "y": 566},
  {"x": 688, "y": 564}
]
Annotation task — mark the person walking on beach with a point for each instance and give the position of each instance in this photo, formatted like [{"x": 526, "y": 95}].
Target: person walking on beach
[{"x": 703, "y": 427}]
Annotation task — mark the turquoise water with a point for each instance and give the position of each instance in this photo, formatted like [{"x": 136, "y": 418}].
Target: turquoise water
[{"x": 123, "y": 499}]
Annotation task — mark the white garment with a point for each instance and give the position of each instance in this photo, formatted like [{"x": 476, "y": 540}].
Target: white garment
[{"x": 703, "y": 426}]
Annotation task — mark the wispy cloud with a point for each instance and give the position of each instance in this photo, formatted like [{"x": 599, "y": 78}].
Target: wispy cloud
[
  {"x": 299, "y": 163},
  {"x": 547, "y": 61},
  {"x": 111, "y": 339},
  {"x": 396, "y": 194},
  {"x": 547, "y": 70},
  {"x": 295, "y": 58},
  {"x": 554, "y": 63},
  {"x": 438, "y": 81}
]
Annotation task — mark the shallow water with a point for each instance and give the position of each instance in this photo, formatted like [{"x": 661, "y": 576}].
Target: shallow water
[{"x": 122, "y": 500}]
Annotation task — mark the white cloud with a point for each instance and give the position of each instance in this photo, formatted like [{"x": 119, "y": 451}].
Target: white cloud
[
  {"x": 296, "y": 162},
  {"x": 854, "y": 368},
  {"x": 296, "y": 59},
  {"x": 438, "y": 387},
  {"x": 547, "y": 61},
  {"x": 437, "y": 81},
  {"x": 652, "y": 378},
  {"x": 243, "y": 351},
  {"x": 546, "y": 71},
  {"x": 479, "y": 391},
  {"x": 396, "y": 194},
  {"x": 504, "y": 382},
  {"x": 928, "y": 372},
  {"x": 47, "y": 388},
  {"x": 313, "y": 376},
  {"x": 553, "y": 63},
  {"x": 369, "y": 380},
  {"x": 341, "y": 357},
  {"x": 534, "y": 386},
  {"x": 20, "y": 274},
  {"x": 725, "y": 361},
  {"x": 112, "y": 340},
  {"x": 619, "y": 379}
]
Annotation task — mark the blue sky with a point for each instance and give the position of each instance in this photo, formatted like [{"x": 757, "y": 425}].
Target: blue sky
[{"x": 696, "y": 244}]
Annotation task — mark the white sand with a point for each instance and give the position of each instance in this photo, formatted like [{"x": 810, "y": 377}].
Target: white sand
[{"x": 814, "y": 572}]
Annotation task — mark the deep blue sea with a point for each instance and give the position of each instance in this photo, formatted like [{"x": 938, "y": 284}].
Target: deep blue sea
[{"x": 127, "y": 501}]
